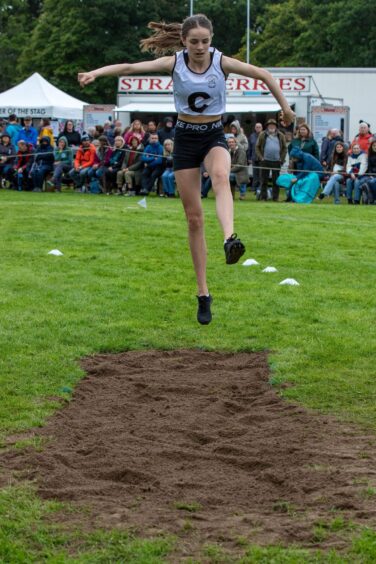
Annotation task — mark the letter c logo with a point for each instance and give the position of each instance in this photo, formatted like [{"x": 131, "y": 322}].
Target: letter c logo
[{"x": 192, "y": 101}]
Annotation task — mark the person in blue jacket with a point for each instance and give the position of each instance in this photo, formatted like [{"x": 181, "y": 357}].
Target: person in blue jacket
[
  {"x": 153, "y": 164},
  {"x": 302, "y": 186},
  {"x": 43, "y": 163},
  {"x": 28, "y": 133},
  {"x": 12, "y": 128}
]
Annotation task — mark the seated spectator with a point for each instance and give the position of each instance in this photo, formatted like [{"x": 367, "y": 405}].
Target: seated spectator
[
  {"x": 367, "y": 184},
  {"x": 153, "y": 167},
  {"x": 43, "y": 163},
  {"x": 337, "y": 168},
  {"x": 63, "y": 156},
  {"x": 92, "y": 133},
  {"x": 239, "y": 167},
  {"x": 356, "y": 168},
  {"x": 128, "y": 178},
  {"x": 99, "y": 130},
  {"x": 167, "y": 131},
  {"x": 151, "y": 128},
  {"x": 101, "y": 149},
  {"x": 22, "y": 166},
  {"x": 45, "y": 130},
  {"x": 168, "y": 176},
  {"x": 305, "y": 142},
  {"x": 271, "y": 150},
  {"x": 12, "y": 128},
  {"x": 300, "y": 190},
  {"x": 28, "y": 133},
  {"x": 71, "y": 135},
  {"x": 7, "y": 152},
  {"x": 205, "y": 181},
  {"x": 237, "y": 132},
  {"x": 112, "y": 165},
  {"x": 84, "y": 160},
  {"x": 363, "y": 138},
  {"x": 135, "y": 130},
  {"x": 305, "y": 164}
]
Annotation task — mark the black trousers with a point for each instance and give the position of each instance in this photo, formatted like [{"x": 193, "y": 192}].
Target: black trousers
[{"x": 274, "y": 167}]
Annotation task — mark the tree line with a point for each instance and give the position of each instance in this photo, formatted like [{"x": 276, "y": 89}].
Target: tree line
[{"x": 59, "y": 39}]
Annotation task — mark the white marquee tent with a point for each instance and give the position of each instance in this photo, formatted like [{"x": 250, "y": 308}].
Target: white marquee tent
[{"x": 36, "y": 97}]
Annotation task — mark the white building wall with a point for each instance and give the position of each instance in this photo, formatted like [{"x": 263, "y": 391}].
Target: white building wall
[{"x": 355, "y": 86}]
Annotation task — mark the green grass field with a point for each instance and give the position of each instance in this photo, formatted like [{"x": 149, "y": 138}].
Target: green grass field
[{"x": 126, "y": 282}]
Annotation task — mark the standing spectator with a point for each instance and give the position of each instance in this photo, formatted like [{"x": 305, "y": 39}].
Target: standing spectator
[
  {"x": 151, "y": 128},
  {"x": 363, "y": 138},
  {"x": 337, "y": 168},
  {"x": 22, "y": 166},
  {"x": 131, "y": 171},
  {"x": 239, "y": 166},
  {"x": 237, "y": 132},
  {"x": 63, "y": 156},
  {"x": 108, "y": 130},
  {"x": 271, "y": 150},
  {"x": 112, "y": 165},
  {"x": 28, "y": 133},
  {"x": 84, "y": 160},
  {"x": 168, "y": 176},
  {"x": 153, "y": 167},
  {"x": 45, "y": 130},
  {"x": 167, "y": 131},
  {"x": 136, "y": 130},
  {"x": 71, "y": 135},
  {"x": 356, "y": 167},
  {"x": 305, "y": 142},
  {"x": 12, "y": 129},
  {"x": 7, "y": 152},
  {"x": 43, "y": 163},
  {"x": 252, "y": 157}
]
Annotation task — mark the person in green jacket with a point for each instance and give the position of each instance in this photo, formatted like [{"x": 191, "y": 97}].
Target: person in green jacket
[
  {"x": 63, "y": 162},
  {"x": 304, "y": 141}
]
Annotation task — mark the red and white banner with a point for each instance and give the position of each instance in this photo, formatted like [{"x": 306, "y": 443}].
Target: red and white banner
[{"x": 234, "y": 84}]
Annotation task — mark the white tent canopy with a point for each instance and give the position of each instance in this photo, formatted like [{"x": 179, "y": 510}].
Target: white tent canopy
[{"x": 36, "y": 97}]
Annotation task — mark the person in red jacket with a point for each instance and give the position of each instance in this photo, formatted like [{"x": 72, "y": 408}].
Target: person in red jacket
[
  {"x": 85, "y": 158},
  {"x": 23, "y": 165},
  {"x": 364, "y": 137}
]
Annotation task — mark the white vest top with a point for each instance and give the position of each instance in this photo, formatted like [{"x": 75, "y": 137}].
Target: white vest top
[{"x": 199, "y": 93}]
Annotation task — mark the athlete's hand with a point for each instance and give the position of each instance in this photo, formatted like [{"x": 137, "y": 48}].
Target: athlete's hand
[
  {"x": 85, "y": 78},
  {"x": 288, "y": 116}
]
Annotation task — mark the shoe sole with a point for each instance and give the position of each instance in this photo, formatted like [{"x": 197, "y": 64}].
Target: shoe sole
[{"x": 237, "y": 251}]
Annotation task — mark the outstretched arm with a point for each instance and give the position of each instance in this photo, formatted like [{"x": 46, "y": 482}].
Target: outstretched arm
[
  {"x": 233, "y": 65},
  {"x": 163, "y": 64}
]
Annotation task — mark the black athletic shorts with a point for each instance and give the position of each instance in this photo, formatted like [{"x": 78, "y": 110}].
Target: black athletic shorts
[{"x": 193, "y": 141}]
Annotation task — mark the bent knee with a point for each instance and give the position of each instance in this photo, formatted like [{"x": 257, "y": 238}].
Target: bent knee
[
  {"x": 220, "y": 177},
  {"x": 195, "y": 220}
]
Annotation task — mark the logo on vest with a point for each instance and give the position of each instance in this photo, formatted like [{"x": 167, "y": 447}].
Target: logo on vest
[
  {"x": 212, "y": 81},
  {"x": 196, "y": 101}
]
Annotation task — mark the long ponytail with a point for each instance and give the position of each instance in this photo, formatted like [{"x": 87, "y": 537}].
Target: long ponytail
[{"x": 167, "y": 38}]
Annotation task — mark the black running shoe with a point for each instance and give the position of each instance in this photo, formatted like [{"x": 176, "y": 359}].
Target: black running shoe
[
  {"x": 204, "y": 315},
  {"x": 234, "y": 249}
]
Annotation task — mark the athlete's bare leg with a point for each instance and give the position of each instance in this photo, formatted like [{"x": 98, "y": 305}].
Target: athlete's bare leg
[
  {"x": 218, "y": 163},
  {"x": 189, "y": 185}
]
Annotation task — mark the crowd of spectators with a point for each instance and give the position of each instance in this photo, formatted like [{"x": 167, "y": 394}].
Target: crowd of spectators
[{"x": 138, "y": 160}]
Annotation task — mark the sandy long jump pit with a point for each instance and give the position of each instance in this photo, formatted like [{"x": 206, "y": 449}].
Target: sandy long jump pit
[{"x": 199, "y": 444}]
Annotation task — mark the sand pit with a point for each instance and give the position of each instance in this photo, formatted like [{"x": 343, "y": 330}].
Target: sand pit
[{"x": 199, "y": 444}]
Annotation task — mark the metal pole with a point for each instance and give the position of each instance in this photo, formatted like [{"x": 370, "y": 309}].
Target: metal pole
[
  {"x": 248, "y": 28},
  {"x": 191, "y": 8}
]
